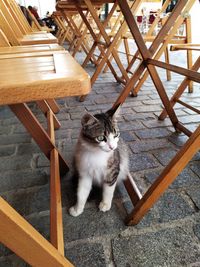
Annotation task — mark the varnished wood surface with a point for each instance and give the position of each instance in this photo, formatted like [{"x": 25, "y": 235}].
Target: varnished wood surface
[
  {"x": 37, "y": 39},
  {"x": 70, "y": 5},
  {"x": 47, "y": 76},
  {"x": 22, "y": 238},
  {"x": 195, "y": 47},
  {"x": 29, "y": 48}
]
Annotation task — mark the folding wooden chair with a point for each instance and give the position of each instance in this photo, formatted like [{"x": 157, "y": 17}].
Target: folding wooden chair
[
  {"x": 32, "y": 74},
  {"x": 177, "y": 95},
  {"x": 36, "y": 25},
  {"x": 21, "y": 20},
  {"x": 143, "y": 203},
  {"x": 15, "y": 34},
  {"x": 72, "y": 18},
  {"x": 6, "y": 48},
  {"x": 149, "y": 37},
  {"x": 18, "y": 16},
  {"x": 64, "y": 32},
  {"x": 176, "y": 39},
  {"x": 101, "y": 38}
]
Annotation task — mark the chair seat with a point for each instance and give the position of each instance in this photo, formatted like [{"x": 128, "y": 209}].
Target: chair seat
[{"x": 39, "y": 76}]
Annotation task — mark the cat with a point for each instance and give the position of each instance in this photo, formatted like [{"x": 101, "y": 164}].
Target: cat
[{"x": 101, "y": 158}]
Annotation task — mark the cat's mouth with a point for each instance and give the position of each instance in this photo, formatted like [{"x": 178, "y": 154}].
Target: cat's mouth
[{"x": 107, "y": 149}]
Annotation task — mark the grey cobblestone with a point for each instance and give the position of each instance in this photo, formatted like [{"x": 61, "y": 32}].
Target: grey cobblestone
[
  {"x": 5, "y": 130},
  {"x": 15, "y": 163},
  {"x": 84, "y": 254},
  {"x": 7, "y": 150},
  {"x": 146, "y": 145},
  {"x": 142, "y": 161},
  {"x": 152, "y": 133},
  {"x": 169, "y": 247},
  {"x": 14, "y": 180},
  {"x": 14, "y": 139}
]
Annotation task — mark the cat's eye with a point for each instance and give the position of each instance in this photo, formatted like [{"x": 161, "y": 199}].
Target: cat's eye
[{"x": 101, "y": 138}]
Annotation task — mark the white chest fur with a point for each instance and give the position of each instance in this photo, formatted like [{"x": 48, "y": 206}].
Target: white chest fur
[{"x": 92, "y": 163}]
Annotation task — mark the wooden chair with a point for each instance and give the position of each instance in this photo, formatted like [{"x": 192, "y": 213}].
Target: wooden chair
[
  {"x": 15, "y": 34},
  {"x": 183, "y": 21},
  {"x": 177, "y": 95},
  {"x": 6, "y": 48},
  {"x": 77, "y": 27},
  {"x": 89, "y": 9},
  {"x": 64, "y": 32},
  {"x": 143, "y": 203},
  {"x": 21, "y": 20},
  {"x": 16, "y": 88},
  {"x": 149, "y": 37},
  {"x": 36, "y": 25}
]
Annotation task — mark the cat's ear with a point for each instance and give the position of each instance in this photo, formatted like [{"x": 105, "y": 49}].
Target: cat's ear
[
  {"x": 114, "y": 111},
  {"x": 88, "y": 120}
]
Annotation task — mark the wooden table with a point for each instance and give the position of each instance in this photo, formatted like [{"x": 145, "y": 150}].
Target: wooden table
[
  {"x": 44, "y": 75},
  {"x": 148, "y": 63}
]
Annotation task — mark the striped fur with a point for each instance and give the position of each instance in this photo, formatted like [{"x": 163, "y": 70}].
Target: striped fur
[{"x": 100, "y": 158}]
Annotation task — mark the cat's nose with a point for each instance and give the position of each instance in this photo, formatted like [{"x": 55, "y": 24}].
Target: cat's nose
[{"x": 111, "y": 147}]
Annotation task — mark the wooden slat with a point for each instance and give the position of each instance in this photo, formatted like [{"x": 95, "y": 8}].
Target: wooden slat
[
  {"x": 27, "y": 49},
  {"x": 195, "y": 47},
  {"x": 190, "y": 74},
  {"x": 53, "y": 104},
  {"x": 56, "y": 224},
  {"x": 17, "y": 234},
  {"x": 44, "y": 106},
  {"x": 180, "y": 89}
]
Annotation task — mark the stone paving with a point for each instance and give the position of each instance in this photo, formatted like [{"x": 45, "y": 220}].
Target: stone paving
[{"x": 169, "y": 235}]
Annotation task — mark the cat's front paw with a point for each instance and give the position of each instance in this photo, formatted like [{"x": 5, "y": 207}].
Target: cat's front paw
[
  {"x": 74, "y": 211},
  {"x": 104, "y": 206}
]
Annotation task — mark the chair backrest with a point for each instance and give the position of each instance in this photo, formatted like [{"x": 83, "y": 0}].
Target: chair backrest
[
  {"x": 35, "y": 24},
  {"x": 3, "y": 39},
  {"x": 19, "y": 16},
  {"x": 7, "y": 14},
  {"x": 14, "y": 16},
  {"x": 8, "y": 30}
]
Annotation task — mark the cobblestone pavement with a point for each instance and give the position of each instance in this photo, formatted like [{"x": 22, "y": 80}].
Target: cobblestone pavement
[{"x": 169, "y": 235}]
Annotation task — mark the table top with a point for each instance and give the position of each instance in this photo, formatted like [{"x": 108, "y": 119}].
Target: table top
[
  {"x": 71, "y": 4},
  {"x": 38, "y": 76}
]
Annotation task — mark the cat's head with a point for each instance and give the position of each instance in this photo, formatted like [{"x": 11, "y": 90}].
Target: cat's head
[{"x": 101, "y": 129}]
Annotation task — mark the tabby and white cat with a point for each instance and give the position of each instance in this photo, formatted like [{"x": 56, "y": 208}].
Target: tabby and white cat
[{"x": 100, "y": 158}]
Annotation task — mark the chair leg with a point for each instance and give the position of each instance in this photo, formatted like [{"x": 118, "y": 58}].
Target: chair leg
[
  {"x": 23, "y": 239},
  {"x": 40, "y": 136},
  {"x": 189, "y": 52},
  {"x": 168, "y": 73}
]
